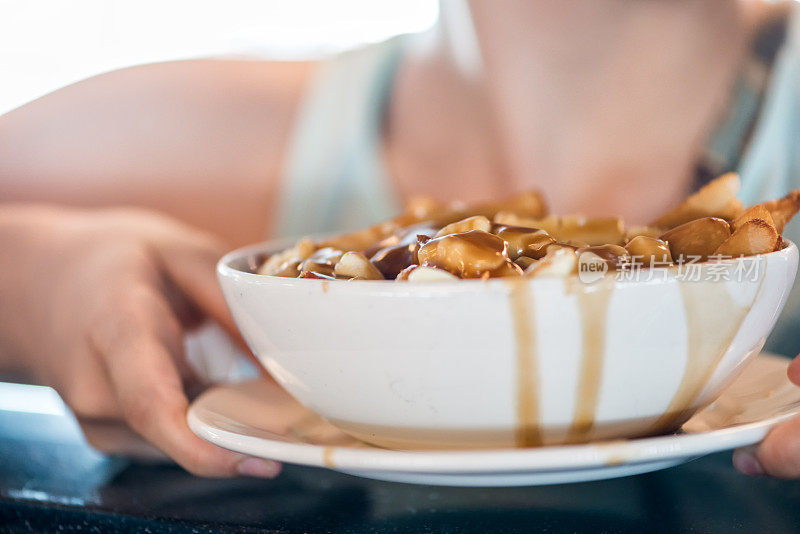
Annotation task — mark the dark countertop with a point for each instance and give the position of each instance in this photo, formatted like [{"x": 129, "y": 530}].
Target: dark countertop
[{"x": 51, "y": 481}]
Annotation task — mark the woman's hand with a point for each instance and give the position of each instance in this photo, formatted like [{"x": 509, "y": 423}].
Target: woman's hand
[
  {"x": 779, "y": 454},
  {"x": 96, "y": 303}
]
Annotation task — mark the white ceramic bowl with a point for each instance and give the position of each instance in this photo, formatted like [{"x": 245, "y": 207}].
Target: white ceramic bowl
[{"x": 503, "y": 363}]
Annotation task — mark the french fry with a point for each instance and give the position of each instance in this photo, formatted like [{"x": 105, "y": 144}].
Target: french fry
[
  {"x": 572, "y": 228},
  {"x": 280, "y": 261},
  {"x": 715, "y": 199},
  {"x": 322, "y": 261},
  {"x": 524, "y": 262},
  {"x": 356, "y": 265},
  {"x": 699, "y": 238},
  {"x": 549, "y": 224},
  {"x": 755, "y": 212},
  {"x": 755, "y": 236},
  {"x": 646, "y": 231},
  {"x": 468, "y": 255},
  {"x": 783, "y": 209},
  {"x": 530, "y": 204},
  {"x": 648, "y": 251},
  {"x": 361, "y": 240},
  {"x": 594, "y": 232},
  {"x": 478, "y": 222},
  {"x": 524, "y": 241},
  {"x": 432, "y": 240},
  {"x": 614, "y": 255},
  {"x": 558, "y": 262},
  {"x": 428, "y": 274}
]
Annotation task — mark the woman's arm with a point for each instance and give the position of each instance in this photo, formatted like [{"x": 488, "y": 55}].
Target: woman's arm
[
  {"x": 95, "y": 302},
  {"x": 201, "y": 140}
]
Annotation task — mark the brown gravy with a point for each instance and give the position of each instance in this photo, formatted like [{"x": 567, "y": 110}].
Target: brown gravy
[
  {"x": 528, "y": 417},
  {"x": 327, "y": 457},
  {"x": 593, "y": 307},
  {"x": 704, "y": 318},
  {"x": 593, "y": 304},
  {"x": 473, "y": 254},
  {"x": 524, "y": 241},
  {"x": 702, "y": 304},
  {"x": 614, "y": 255}
]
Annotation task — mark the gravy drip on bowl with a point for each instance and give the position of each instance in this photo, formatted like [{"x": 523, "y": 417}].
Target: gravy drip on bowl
[
  {"x": 528, "y": 432},
  {"x": 593, "y": 305},
  {"x": 703, "y": 302}
]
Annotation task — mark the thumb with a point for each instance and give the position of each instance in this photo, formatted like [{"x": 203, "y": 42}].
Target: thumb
[
  {"x": 794, "y": 371},
  {"x": 779, "y": 453}
]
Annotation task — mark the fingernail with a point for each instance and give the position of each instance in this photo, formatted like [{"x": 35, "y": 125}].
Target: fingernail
[
  {"x": 256, "y": 467},
  {"x": 746, "y": 463}
]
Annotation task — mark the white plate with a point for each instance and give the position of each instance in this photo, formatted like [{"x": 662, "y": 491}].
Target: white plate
[{"x": 259, "y": 419}]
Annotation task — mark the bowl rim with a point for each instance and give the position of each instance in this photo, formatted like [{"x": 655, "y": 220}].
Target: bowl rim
[{"x": 227, "y": 271}]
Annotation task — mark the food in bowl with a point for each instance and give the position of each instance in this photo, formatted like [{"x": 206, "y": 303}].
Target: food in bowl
[
  {"x": 529, "y": 354},
  {"x": 516, "y": 238}
]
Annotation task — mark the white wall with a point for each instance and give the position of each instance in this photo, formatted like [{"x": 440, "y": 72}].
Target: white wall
[{"x": 46, "y": 44}]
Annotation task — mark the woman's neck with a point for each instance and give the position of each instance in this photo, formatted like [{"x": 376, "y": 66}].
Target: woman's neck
[
  {"x": 608, "y": 96},
  {"x": 604, "y": 104}
]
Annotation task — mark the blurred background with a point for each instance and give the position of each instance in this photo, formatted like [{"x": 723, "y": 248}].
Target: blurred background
[{"x": 47, "y": 44}]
